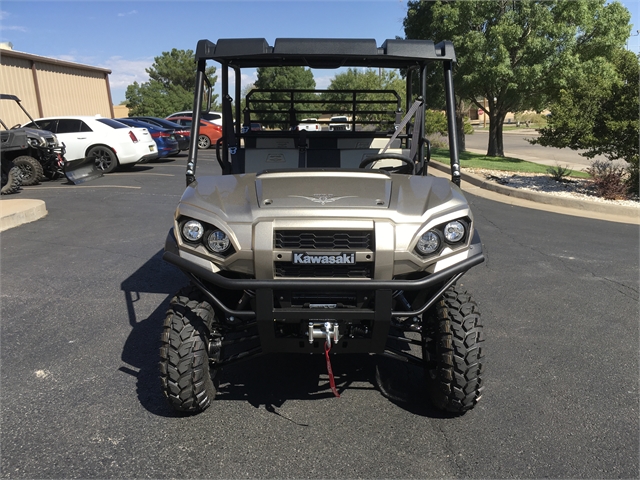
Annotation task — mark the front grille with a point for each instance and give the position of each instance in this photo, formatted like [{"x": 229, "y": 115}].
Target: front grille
[
  {"x": 290, "y": 270},
  {"x": 324, "y": 240}
]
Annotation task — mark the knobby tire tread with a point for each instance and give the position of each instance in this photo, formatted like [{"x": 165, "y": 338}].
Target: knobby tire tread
[
  {"x": 455, "y": 376},
  {"x": 13, "y": 181},
  {"x": 32, "y": 171},
  {"x": 184, "y": 362}
]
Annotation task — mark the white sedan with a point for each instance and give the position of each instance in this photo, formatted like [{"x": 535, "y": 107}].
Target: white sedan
[{"x": 110, "y": 142}]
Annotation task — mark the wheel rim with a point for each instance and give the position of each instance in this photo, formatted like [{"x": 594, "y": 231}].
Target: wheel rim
[
  {"x": 27, "y": 172},
  {"x": 102, "y": 159},
  {"x": 203, "y": 141}
]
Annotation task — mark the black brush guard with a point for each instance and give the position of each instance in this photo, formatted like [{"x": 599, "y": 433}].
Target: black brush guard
[{"x": 380, "y": 316}]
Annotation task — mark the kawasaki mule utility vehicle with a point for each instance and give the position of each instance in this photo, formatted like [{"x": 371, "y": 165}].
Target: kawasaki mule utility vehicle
[{"x": 323, "y": 242}]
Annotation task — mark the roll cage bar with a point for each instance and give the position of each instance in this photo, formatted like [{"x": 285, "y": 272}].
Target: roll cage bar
[{"x": 413, "y": 56}]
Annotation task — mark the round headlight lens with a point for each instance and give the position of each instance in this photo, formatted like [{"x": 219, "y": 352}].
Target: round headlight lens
[
  {"x": 217, "y": 241},
  {"x": 454, "y": 231},
  {"x": 192, "y": 231},
  {"x": 429, "y": 242}
]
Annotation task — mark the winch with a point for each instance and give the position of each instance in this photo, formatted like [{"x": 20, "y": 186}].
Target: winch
[{"x": 326, "y": 330}]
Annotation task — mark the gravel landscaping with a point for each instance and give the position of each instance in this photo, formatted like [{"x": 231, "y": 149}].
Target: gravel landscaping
[{"x": 540, "y": 182}]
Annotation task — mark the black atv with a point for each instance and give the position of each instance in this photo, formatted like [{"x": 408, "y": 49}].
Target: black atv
[{"x": 37, "y": 153}]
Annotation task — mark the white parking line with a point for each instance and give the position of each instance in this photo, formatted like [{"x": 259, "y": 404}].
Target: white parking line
[
  {"x": 145, "y": 173},
  {"x": 80, "y": 186}
]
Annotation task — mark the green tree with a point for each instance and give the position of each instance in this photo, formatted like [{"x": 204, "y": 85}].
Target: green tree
[
  {"x": 518, "y": 54},
  {"x": 170, "y": 88},
  {"x": 368, "y": 79},
  {"x": 598, "y": 112},
  {"x": 274, "y": 108}
]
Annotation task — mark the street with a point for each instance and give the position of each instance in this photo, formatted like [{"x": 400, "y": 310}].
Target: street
[
  {"x": 84, "y": 294},
  {"x": 516, "y": 145}
]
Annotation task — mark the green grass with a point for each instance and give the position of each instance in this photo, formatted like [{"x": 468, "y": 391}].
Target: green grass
[{"x": 509, "y": 164}]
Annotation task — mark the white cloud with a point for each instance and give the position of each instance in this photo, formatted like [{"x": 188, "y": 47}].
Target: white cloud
[
  {"x": 132, "y": 12},
  {"x": 124, "y": 72},
  {"x": 14, "y": 28},
  {"x": 67, "y": 58}
]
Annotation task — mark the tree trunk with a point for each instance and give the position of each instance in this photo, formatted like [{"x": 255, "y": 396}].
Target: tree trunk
[
  {"x": 496, "y": 146},
  {"x": 460, "y": 111},
  {"x": 462, "y": 141}
]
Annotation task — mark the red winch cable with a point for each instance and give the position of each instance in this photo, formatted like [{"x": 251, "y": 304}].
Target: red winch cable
[{"x": 332, "y": 381}]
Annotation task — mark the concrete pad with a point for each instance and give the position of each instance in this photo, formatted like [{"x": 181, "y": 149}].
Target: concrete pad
[{"x": 20, "y": 211}]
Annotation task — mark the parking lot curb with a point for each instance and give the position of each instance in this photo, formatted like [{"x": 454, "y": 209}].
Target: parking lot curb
[
  {"x": 20, "y": 211},
  {"x": 585, "y": 206}
]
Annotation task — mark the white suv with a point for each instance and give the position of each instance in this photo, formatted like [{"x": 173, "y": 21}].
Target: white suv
[
  {"x": 213, "y": 117},
  {"x": 110, "y": 142}
]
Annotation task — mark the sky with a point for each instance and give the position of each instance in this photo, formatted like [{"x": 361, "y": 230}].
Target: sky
[{"x": 125, "y": 36}]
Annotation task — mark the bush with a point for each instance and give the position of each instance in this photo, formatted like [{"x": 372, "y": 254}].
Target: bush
[
  {"x": 633, "y": 180},
  {"x": 558, "y": 173},
  {"x": 610, "y": 181},
  {"x": 435, "y": 122},
  {"x": 438, "y": 141}
]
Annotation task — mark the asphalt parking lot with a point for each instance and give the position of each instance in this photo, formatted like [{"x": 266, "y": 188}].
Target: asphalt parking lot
[{"x": 84, "y": 293}]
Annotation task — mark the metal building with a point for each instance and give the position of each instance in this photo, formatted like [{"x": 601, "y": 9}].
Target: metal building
[{"x": 50, "y": 87}]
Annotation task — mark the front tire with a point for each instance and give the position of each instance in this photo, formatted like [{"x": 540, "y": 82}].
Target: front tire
[
  {"x": 31, "y": 170},
  {"x": 204, "y": 142},
  {"x": 11, "y": 180},
  {"x": 184, "y": 363},
  {"x": 104, "y": 157},
  {"x": 453, "y": 352}
]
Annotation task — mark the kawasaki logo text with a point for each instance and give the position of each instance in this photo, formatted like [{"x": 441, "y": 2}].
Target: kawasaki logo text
[{"x": 344, "y": 258}]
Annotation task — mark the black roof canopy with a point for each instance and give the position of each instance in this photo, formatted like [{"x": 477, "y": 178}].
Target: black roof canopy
[{"x": 324, "y": 52}]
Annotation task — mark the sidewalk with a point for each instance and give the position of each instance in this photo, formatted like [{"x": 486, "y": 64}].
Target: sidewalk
[{"x": 15, "y": 212}]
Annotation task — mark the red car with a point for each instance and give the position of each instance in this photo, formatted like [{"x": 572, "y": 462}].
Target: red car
[{"x": 209, "y": 132}]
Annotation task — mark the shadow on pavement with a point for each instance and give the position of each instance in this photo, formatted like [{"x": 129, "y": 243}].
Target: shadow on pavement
[
  {"x": 268, "y": 380},
  {"x": 142, "y": 346}
]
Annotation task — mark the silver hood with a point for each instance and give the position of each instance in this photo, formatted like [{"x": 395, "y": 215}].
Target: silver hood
[{"x": 248, "y": 197}]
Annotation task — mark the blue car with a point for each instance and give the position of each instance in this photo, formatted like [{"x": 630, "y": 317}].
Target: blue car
[
  {"x": 181, "y": 133},
  {"x": 165, "y": 141}
]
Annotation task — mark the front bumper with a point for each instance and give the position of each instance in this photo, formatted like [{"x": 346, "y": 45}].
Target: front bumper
[{"x": 379, "y": 315}]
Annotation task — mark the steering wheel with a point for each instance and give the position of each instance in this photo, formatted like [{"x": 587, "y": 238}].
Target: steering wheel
[{"x": 408, "y": 166}]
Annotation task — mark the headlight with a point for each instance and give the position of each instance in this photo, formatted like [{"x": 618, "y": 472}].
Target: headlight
[
  {"x": 217, "y": 241},
  {"x": 454, "y": 231},
  {"x": 192, "y": 231},
  {"x": 428, "y": 243}
]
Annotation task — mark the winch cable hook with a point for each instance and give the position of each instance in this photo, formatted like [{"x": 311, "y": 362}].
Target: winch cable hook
[{"x": 327, "y": 349}]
